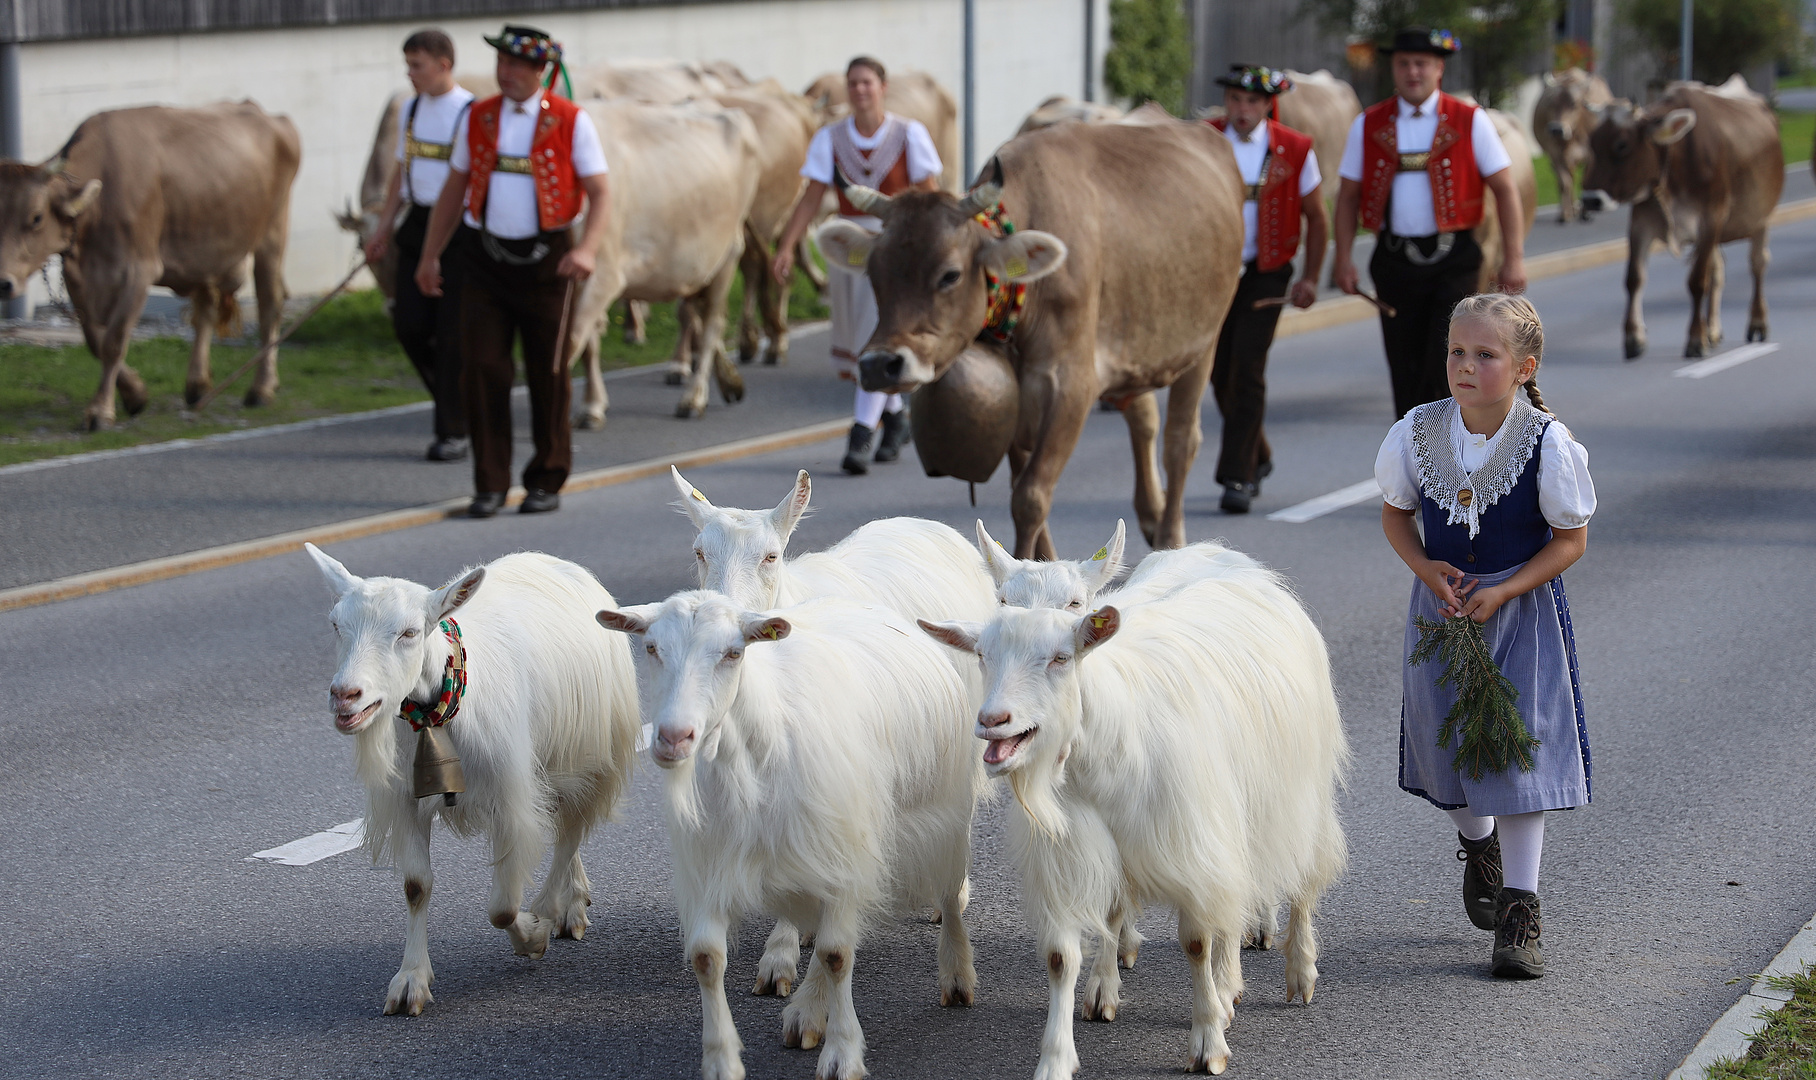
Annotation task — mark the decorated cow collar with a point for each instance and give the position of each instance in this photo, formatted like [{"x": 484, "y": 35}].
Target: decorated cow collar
[
  {"x": 1005, "y": 300},
  {"x": 453, "y": 685}
]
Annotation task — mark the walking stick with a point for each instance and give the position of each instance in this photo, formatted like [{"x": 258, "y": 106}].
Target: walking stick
[
  {"x": 285, "y": 336},
  {"x": 1281, "y": 301},
  {"x": 559, "y": 366}
]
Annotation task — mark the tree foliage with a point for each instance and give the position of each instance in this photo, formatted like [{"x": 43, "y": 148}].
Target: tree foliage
[
  {"x": 1726, "y": 36},
  {"x": 1150, "y": 53},
  {"x": 1498, "y": 36}
]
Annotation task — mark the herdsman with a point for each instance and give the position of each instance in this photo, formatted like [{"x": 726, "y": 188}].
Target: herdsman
[
  {"x": 1281, "y": 175},
  {"x": 1413, "y": 171},
  {"x": 427, "y": 327},
  {"x": 875, "y": 149},
  {"x": 526, "y": 165}
]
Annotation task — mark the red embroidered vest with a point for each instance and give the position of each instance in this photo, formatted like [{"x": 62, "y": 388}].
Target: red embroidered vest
[
  {"x": 1456, "y": 183},
  {"x": 1277, "y": 203},
  {"x": 894, "y": 182},
  {"x": 559, "y": 196}
]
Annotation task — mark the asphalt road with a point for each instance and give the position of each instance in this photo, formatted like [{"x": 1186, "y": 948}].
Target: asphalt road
[{"x": 155, "y": 737}]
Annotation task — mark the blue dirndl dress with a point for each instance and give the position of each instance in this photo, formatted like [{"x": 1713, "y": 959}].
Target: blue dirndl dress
[{"x": 1530, "y": 637}]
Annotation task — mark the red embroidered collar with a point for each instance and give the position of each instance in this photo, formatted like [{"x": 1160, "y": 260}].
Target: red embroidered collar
[{"x": 453, "y": 685}]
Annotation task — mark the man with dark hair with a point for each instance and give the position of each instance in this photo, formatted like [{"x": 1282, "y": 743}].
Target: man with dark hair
[
  {"x": 428, "y": 327},
  {"x": 526, "y": 164}
]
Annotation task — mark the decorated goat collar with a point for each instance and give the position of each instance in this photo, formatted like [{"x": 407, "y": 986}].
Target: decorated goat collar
[
  {"x": 1005, "y": 301},
  {"x": 453, "y": 685},
  {"x": 1466, "y": 496}
]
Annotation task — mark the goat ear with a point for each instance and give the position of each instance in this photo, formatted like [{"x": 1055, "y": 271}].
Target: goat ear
[
  {"x": 1023, "y": 257},
  {"x": 446, "y": 599},
  {"x": 845, "y": 245},
  {"x": 1108, "y": 560},
  {"x": 765, "y": 628},
  {"x": 1001, "y": 563},
  {"x": 631, "y": 620},
  {"x": 70, "y": 206},
  {"x": 1675, "y": 125},
  {"x": 961, "y": 636},
  {"x": 1096, "y": 628},
  {"x": 787, "y": 513},
  {"x": 691, "y": 503},
  {"x": 339, "y": 578}
]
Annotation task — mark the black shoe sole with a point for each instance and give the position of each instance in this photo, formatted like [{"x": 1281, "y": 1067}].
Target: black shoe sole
[
  {"x": 854, "y": 466},
  {"x": 1508, "y": 967}
]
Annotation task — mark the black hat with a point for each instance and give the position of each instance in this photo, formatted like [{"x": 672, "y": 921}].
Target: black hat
[
  {"x": 1256, "y": 79},
  {"x": 1423, "y": 39},
  {"x": 527, "y": 43}
]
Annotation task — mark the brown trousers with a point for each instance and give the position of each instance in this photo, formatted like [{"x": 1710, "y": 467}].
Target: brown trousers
[
  {"x": 1239, "y": 373},
  {"x": 500, "y": 302}
]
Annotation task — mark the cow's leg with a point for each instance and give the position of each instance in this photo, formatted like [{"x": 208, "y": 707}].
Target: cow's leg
[
  {"x": 1058, "y": 1053},
  {"x": 1718, "y": 281},
  {"x": 1760, "y": 257},
  {"x": 1183, "y": 437},
  {"x": 592, "y": 314},
  {"x": 680, "y": 362},
  {"x": 566, "y": 893},
  {"x": 409, "y": 990},
  {"x": 203, "y": 308},
  {"x": 1301, "y": 949},
  {"x": 517, "y": 846},
  {"x": 1702, "y": 258},
  {"x": 721, "y": 1051},
  {"x": 752, "y": 266},
  {"x": 804, "y": 259},
  {"x": 781, "y": 961},
  {"x": 775, "y": 316},
  {"x": 108, "y": 318},
  {"x": 1566, "y": 188},
  {"x": 1061, "y": 420},
  {"x": 593, "y": 398},
  {"x": 1210, "y": 1053},
  {"x": 1143, "y": 417},
  {"x": 268, "y": 284},
  {"x": 836, "y": 946},
  {"x": 1646, "y": 229},
  {"x": 710, "y": 356},
  {"x": 636, "y": 322}
]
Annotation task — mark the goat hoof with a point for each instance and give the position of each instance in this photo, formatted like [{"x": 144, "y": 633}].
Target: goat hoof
[
  {"x": 959, "y": 991},
  {"x": 408, "y": 993},
  {"x": 1127, "y": 958},
  {"x": 780, "y": 986}
]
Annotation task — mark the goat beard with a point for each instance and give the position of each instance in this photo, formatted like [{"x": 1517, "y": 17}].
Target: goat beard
[
  {"x": 1036, "y": 785},
  {"x": 375, "y": 763}
]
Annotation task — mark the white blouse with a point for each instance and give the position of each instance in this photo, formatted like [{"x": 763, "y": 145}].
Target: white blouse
[{"x": 1566, "y": 494}]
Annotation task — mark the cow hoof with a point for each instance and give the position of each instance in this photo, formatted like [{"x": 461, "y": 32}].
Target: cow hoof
[
  {"x": 1693, "y": 350},
  {"x": 94, "y": 422},
  {"x": 196, "y": 391},
  {"x": 1756, "y": 332},
  {"x": 772, "y": 358},
  {"x": 1633, "y": 348},
  {"x": 672, "y": 378},
  {"x": 588, "y": 422},
  {"x": 747, "y": 353},
  {"x": 689, "y": 411},
  {"x": 256, "y": 398},
  {"x": 731, "y": 392}
]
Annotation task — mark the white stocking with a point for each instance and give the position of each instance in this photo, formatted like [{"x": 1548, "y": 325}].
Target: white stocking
[
  {"x": 869, "y": 406},
  {"x": 1472, "y": 827},
  {"x": 1522, "y": 840}
]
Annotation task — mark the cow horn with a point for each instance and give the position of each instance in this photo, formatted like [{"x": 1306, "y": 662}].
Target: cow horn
[
  {"x": 980, "y": 198},
  {"x": 56, "y": 165},
  {"x": 869, "y": 200}
]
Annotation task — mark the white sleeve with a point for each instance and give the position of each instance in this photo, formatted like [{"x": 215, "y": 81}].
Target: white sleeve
[
  {"x": 1566, "y": 494},
  {"x": 589, "y": 155},
  {"x": 1395, "y": 469},
  {"x": 1309, "y": 176},
  {"x": 1490, "y": 154},
  {"x": 923, "y": 159},
  {"x": 818, "y": 166},
  {"x": 460, "y": 160},
  {"x": 1350, "y": 168}
]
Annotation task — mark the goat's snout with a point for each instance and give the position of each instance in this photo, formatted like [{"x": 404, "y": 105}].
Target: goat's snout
[
  {"x": 672, "y": 743},
  {"x": 994, "y": 719},
  {"x": 344, "y": 697},
  {"x": 349, "y": 716}
]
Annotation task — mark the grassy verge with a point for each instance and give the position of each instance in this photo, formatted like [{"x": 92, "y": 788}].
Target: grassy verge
[
  {"x": 344, "y": 360},
  {"x": 1785, "y": 1049}
]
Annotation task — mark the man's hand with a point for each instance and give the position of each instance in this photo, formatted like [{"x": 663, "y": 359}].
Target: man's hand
[
  {"x": 783, "y": 265},
  {"x": 378, "y": 244},
  {"x": 1305, "y": 293},
  {"x": 577, "y": 264},
  {"x": 1344, "y": 277},
  {"x": 428, "y": 276},
  {"x": 1513, "y": 274}
]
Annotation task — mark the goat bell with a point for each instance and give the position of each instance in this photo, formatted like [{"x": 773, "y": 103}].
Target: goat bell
[{"x": 436, "y": 770}]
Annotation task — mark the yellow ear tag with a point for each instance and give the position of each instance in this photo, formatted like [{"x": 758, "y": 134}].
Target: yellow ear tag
[
  {"x": 1016, "y": 266},
  {"x": 854, "y": 257},
  {"x": 1098, "y": 621},
  {"x": 699, "y": 496},
  {"x": 1102, "y": 554},
  {"x": 771, "y": 633}
]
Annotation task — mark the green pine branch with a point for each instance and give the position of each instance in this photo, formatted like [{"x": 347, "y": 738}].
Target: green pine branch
[{"x": 1494, "y": 736}]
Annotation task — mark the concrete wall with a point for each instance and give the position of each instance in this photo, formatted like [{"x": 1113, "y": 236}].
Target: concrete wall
[{"x": 332, "y": 81}]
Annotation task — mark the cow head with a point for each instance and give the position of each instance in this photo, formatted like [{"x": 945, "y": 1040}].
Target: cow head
[
  {"x": 39, "y": 206},
  {"x": 1629, "y": 147},
  {"x": 1571, "y": 115},
  {"x": 927, "y": 269}
]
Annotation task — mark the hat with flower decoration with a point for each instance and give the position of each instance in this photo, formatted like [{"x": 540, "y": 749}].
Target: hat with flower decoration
[
  {"x": 536, "y": 46},
  {"x": 1423, "y": 39},
  {"x": 1256, "y": 79}
]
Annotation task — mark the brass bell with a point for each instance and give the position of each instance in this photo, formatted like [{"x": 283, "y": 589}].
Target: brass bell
[{"x": 436, "y": 770}]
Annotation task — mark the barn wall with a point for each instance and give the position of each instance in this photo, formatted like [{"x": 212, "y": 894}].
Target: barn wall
[{"x": 333, "y": 80}]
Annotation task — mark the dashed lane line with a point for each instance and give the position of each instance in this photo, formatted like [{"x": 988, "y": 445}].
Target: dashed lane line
[
  {"x": 1325, "y": 504},
  {"x": 1702, "y": 369}
]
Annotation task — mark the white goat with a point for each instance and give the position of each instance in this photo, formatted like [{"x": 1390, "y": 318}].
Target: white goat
[
  {"x": 1184, "y": 751},
  {"x": 546, "y": 731},
  {"x": 919, "y": 568},
  {"x": 825, "y": 774}
]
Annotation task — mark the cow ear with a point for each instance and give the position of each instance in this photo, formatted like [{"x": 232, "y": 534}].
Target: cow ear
[
  {"x": 444, "y": 601},
  {"x": 787, "y": 513},
  {"x": 1096, "y": 628},
  {"x": 845, "y": 245},
  {"x": 765, "y": 628},
  {"x": 1023, "y": 257},
  {"x": 70, "y": 207},
  {"x": 1001, "y": 563},
  {"x": 340, "y": 579},
  {"x": 691, "y": 502},
  {"x": 1104, "y": 565},
  {"x": 961, "y": 636},
  {"x": 1550, "y": 79},
  {"x": 631, "y": 620},
  {"x": 1676, "y": 124}
]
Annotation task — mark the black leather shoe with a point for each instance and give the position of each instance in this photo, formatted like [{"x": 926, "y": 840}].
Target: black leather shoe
[
  {"x": 857, "y": 450},
  {"x": 485, "y": 504},
  {"x": 895, "y": 433},
  {"x": 447, "y": 450},
  {"x": 538, "y": 501},
  {"x": 1236, "y": 498}
]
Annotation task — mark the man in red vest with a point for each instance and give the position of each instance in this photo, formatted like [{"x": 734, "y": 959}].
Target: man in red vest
[
  {"x": 1413, "y": 171},
  {"x": 525, "y": 165},
  {"x": 1281, "y": 176}
]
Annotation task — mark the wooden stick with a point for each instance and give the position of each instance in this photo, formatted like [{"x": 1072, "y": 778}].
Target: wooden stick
[
  {"x": 560, "y": 363},
  {"x": 285, "y": 336},
  {"x": 1281, "y": 301},
  {"x": 1386, "y": 309},
  {"x": 1270, "y": 301}
]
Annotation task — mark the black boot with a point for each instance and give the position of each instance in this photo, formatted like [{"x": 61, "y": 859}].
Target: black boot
[
  {"x": 1516, "y": 936},
  {"x": 857, "y": 450},
  {"x": 1481, "y": 861},
  {"x": 895, "y": 433},
  {"x": 1236, "y": 498}
]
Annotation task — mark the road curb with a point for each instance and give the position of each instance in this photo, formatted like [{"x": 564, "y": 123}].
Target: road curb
[
  {"x": 170, "y": 566},
  {"x": 1733, "y": 1033}
]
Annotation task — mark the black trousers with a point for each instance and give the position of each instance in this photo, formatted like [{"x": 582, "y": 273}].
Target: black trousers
[
  {"x": 428, "y": 327},
  {"x": 1418, "y": 337},
  {"x": 500, "y": 303},
  {"x": 1239, "y": 373}
]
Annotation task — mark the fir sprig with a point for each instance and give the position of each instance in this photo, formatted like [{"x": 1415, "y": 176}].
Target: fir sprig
[{"x": 1493, "y": 733}]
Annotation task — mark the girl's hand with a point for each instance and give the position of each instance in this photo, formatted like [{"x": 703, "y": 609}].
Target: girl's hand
[
  {"x": 1447, "y": 583},
  {"x": 1482, "y": 606}
]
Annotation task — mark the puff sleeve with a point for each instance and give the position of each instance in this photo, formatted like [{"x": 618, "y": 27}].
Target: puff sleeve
[{"x": 1395, "y": 468}]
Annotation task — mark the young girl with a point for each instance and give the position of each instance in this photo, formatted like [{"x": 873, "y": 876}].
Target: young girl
[{"x": 1504, "y": 496}]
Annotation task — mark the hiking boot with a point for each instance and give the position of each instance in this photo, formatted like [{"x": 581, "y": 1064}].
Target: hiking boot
[
  {"x": 895, "y": 433},
  {"x": 1481, "y": 861},
  {"x": 1516, "y": 936},
  {"x": 857, "y": 450}
]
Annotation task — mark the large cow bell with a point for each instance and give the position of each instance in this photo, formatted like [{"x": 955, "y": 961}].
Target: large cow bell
[
  {"x": 436, "y": 770},
  {"x": 964, "y": 421}
]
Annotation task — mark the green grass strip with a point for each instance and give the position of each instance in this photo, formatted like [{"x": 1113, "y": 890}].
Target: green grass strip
[{"x": 1785, "y": 1049}]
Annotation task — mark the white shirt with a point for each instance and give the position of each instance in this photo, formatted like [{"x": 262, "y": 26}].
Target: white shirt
[
  {"x": 1249, "y": 156},
  {"x": 923, "y": 159},
  {"x": 1566, "y": 494},
  {"x": 1410, "y": 207},
  {"x": 511, "y": 197},
  {"x": 437, "y": 116}
]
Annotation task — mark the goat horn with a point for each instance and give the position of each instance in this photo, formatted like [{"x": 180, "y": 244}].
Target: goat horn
[
  {"x": 869, "y": 200},
  {"x": 980, "y": 198}
]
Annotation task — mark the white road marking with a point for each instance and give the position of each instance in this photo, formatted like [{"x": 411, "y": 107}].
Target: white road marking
[
  {"x": 1324, "y": 504},
  {"x": 315, "y": 847},
  {"x": 646, "y": 737},
  {"x": 1702, "y": 369}
]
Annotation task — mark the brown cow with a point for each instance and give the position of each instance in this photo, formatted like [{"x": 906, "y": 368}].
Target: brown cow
[
  {"x": 785, "y": 124},
  {"x": 158, "y": 196},
  {"x": 1525, "y": 181},
  {"x": 1561, "y": 121},
  {"x": 1703, "y": 163},
  {"x": 1129, "y": 237},
  {"x": 1060, "y": 109}
]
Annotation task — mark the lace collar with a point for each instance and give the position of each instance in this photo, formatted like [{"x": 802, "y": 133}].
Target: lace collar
[
  {"x": 869, "y": 168},
  {"x": 1466, "y": 496}
]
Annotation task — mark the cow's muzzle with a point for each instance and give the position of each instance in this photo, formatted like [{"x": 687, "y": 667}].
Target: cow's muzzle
[
  {"x": 895, "y": 371},
  {"x": 1558, "y": 130},
  {"x": 8, "y": 288}
]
